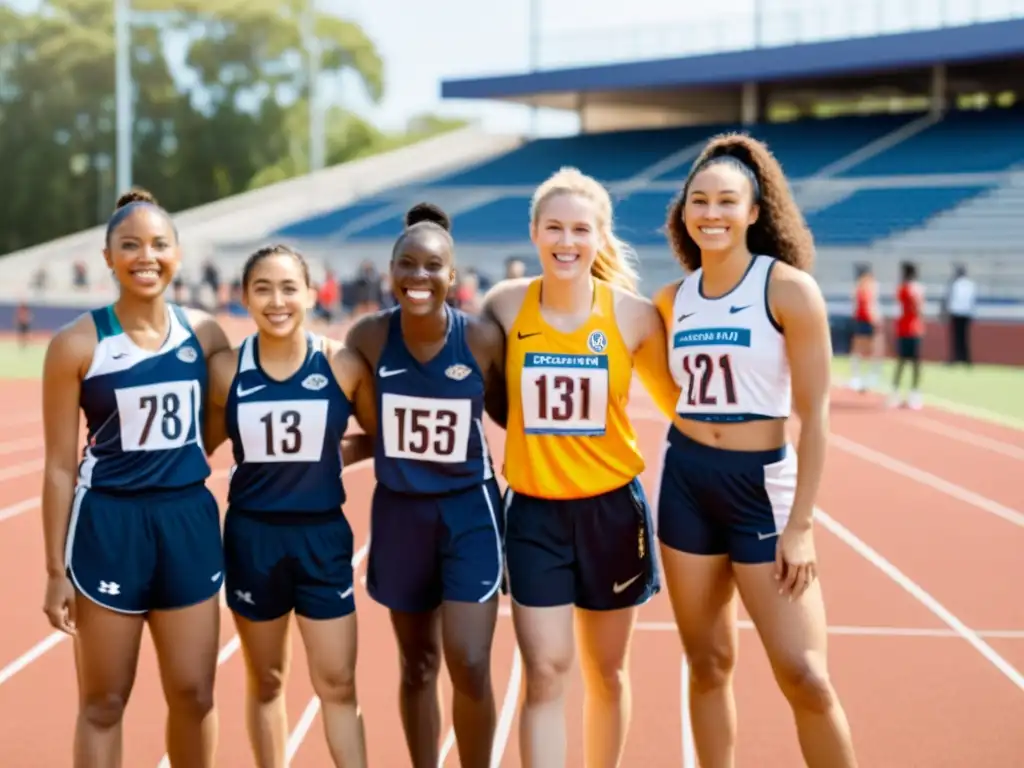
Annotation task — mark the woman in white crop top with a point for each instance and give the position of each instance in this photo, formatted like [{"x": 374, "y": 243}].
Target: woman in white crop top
[{"x": 748, "y": 336}]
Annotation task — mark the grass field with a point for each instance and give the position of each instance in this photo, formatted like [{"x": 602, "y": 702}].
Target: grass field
[{"x": 985, "y": 391}]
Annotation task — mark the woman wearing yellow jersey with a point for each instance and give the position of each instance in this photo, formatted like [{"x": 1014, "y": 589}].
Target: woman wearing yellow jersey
[{"x": 578, "y": 526}]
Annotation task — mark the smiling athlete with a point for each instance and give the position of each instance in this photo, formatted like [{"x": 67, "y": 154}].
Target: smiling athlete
[
  {"x": 579, "y": 536},
  {"x": 749, "y": 341},
  {"x": 284, "y": 398},
  {"x": 435, "y": 552},
  {"x": 135, "y": 539}
]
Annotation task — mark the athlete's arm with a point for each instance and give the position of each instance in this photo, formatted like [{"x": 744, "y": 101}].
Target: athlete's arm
[
  {"x": 355, "y": 378},
  {"x": 221, "y": 367},
  {"x": 651, "y": 356},
  {"x": 209, "y": 332},
  {"x": 487, "y": 342},
  {"x": 367, "y": 336},
  {"x": 799, "y": 307},
  {"x": 67, "y": 359}
]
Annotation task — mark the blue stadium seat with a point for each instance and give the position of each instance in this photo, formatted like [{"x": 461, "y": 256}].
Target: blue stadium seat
[
  {"x": 963, "y": 142},
  {"x": 327, "y": 223},
  {"x": 803, "y": 148},
  {"x": 871, "y": 214}
]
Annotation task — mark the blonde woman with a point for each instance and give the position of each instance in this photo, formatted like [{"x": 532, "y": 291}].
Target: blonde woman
[{"x": 579, "y": 542}]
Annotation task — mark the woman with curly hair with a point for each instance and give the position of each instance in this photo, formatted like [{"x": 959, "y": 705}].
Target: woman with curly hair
[{"x": 748, "y": 336}]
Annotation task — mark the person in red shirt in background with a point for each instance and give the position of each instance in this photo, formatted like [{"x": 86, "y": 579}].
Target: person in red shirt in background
[
  {"x": 328, "y": 297},
  {"x": 868, "y": 341},
  {"x": 909, "y": 331}
]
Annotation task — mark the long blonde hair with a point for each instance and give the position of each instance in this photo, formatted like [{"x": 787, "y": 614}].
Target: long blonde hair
[{"x": 614, "y": 257}]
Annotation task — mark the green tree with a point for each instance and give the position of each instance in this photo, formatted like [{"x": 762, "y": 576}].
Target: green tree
[{"x": 233, "y": 118}]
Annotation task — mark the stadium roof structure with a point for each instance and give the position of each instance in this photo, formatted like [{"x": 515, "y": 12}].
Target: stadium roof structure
[{"x": 992, "y": 53}]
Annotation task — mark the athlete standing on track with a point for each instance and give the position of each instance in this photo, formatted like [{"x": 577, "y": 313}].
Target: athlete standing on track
[
  {"x": 733, "y": 510},
  {"x": 435, "y": 553},
  {"x": 909, "y": 331},
  {"x": 578, "y": 526},
  {"x": 284, "y": 398},
  {"x": 868, "y": 338},
  {"x": 137, "y": 539}
]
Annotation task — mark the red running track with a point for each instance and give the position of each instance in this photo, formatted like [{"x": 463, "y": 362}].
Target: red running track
[{"x": 920, "y": 562}]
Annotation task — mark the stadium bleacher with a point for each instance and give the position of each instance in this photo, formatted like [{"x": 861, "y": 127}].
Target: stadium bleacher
[{"x": 862, "y": 204}]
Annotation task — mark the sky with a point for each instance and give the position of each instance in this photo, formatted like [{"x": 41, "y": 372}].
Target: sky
[
  {"x": 470, "y": 38},
  {"x": 424, "y": 43}
]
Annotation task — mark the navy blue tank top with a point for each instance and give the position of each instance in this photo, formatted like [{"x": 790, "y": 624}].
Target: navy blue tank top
[
  {"x": 286, "y": 435},
  {"x": 143, "y": 410},
  {"x": 430, "y": 415}
]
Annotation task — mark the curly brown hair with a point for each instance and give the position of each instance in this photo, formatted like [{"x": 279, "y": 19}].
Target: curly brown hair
[{"x": 780, "y": 229}]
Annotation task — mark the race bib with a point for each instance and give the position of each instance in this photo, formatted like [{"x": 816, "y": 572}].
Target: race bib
[
  {"x": 565, "y": 394},
  {"x": 158, "y": 417},
  {"x": 426, "y": 428},
  {"x": 280, "y": 431}
]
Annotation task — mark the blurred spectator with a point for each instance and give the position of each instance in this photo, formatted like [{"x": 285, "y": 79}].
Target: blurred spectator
[
  {"x": 959, "y": 307},
  {"x": 80, "y": 275},
  {"x": 367, "y": 295}
]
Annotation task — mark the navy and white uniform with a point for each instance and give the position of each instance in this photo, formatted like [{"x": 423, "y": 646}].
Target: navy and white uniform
[
  {"x": 728, "y": 355},
  {"x": 144, "y": 532},
  {"x": 436, "y": 526},
  {"x": 287, "y": 543}
]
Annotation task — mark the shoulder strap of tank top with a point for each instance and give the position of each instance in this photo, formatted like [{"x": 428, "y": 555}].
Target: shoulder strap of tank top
[
  {"x": 246, "y": 355},
  {"x": 106, "y": 322},
  {"x": 182, "y": 316}
]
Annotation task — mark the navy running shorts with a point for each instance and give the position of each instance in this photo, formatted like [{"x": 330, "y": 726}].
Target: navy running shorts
[
  {"x": 152, "y": 551},
  {"x": 719, "y": 502},
  {"x": 596, "y": 553},
  {"x": 433, "y": 548},
  {"x": 277, "y": 562}
]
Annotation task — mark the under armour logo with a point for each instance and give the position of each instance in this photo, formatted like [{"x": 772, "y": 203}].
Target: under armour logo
[{"x": 110, "y": 588}]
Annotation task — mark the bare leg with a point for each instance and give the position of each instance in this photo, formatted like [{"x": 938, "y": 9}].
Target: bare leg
[
  {"x": 604, "y": 640},
  {"x": 545, "y": 637},
  {"x": 419, "y": 645},
  {"x": 186, "y": 642},
  {"x": 702, "y": 593},
  {"x": 106, "y": 657},
  {"x": 468, "y": 631},
  {"x": 795, "y": 638},
  {"x": 331, "y": 648},
  {"x": 267, "y": 652}
]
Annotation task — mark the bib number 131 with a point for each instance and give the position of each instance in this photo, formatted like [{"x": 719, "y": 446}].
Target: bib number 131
[{"x": 565, "y": 394}]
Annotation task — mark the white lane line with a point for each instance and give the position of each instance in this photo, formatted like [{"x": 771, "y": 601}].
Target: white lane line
[
  {"x": 686, "y": 725},
  {"x": 33, "y": 653},
  {"x": 927, "y": 478},
  {"x": 966, "y": 436},
  {"x": 508, "y": 709},
  {"x": 923, "y": 597}
]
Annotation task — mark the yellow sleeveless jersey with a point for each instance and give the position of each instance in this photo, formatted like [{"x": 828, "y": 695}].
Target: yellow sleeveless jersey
[{"x": 568, "y": 435}]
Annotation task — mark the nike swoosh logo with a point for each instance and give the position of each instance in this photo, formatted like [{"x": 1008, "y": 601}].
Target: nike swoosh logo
[
  {"x": 522, "y": 335},
  {"x": 763, "y": 536},
  {"x": 617, "y": 588},
  {"x": 347, "y": 592},
  {"x": 119, "y": 355},
  {"x": 385, "y": 373},
  {"x": 244, "y": 392},
  {"x": 683, "y": 317},
  {"x": 734, "y": 310}
]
